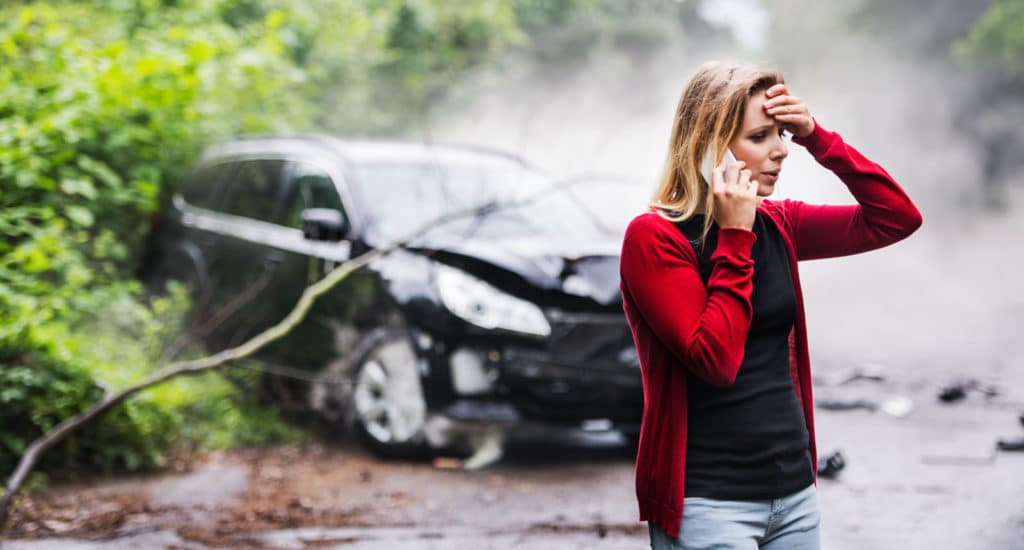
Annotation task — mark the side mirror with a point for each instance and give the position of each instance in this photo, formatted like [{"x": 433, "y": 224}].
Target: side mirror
[{"x": 323, "y": 224}]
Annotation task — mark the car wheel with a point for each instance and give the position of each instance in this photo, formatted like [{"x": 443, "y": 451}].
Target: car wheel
[{"x": 385, "y": 405}]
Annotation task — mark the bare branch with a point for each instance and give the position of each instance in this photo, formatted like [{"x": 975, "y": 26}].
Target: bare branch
[{"x": 217, "y": 318}]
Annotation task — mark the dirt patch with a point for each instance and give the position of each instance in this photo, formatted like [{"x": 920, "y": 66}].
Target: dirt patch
[
  {"x": 280, "y": 495},
  {"x": 340, "y": 487},
  {"x": 95, "y": 507},
  {"x": 81, "y": 515}
]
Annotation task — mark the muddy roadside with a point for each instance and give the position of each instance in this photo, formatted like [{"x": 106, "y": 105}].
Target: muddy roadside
[
  {"x": 344, "y": 494},
  {"x": 928, "y": 478}
]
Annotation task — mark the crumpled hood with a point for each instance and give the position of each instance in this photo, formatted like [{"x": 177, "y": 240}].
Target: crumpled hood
[{"x": 589, "y": 270}]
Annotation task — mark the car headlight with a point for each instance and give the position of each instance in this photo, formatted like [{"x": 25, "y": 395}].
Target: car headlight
[{"x": 485, "y": 306}]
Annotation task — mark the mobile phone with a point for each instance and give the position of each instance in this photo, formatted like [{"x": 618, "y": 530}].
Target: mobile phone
[{"x": 709, "y": 163}]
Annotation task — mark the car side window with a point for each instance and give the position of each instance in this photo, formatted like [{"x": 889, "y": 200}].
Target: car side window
[
  {"x": 253, "y": 189},
  {"x": 199, "y": 186},
  {"x": 308, "y": 187}
]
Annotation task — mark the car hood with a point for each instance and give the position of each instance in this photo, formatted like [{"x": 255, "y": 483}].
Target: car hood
[{"x": 589, "y": 270}]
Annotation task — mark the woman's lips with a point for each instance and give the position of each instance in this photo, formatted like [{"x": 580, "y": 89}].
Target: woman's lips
[{"x": 771, "y": 176}]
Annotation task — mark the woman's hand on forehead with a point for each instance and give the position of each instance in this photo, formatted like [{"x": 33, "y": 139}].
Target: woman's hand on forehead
[{"x": 789, "y": 111}]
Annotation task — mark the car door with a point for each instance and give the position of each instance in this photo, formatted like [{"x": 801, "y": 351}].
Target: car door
[
  {"x": 302, "y": 262},
  {"x": 243, "y": 259},
  {"x": 187, "y": 242}
]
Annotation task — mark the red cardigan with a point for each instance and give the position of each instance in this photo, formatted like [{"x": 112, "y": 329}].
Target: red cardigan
[{"x": 679, "y": 324}]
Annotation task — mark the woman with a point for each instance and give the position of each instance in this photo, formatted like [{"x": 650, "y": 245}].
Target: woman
[{"x": 712, "y": 294}]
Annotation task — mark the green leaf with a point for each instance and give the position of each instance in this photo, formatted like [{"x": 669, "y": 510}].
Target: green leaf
[
  {"x": 79, "y": 186},
  {"x": 79, "y": 215},
  {"x": 34, "y": 260}
]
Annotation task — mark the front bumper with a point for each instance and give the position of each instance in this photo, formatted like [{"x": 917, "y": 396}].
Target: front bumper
[
  {"x": 545, "y": 389},
  {"x": 584, "y": 375}
]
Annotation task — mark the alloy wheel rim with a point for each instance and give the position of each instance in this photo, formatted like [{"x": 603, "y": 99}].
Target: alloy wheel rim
[{"x": 388, "y": 396}]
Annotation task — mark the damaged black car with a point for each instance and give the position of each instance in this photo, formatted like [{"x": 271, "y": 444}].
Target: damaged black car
[{"x": 484, "y": 325}]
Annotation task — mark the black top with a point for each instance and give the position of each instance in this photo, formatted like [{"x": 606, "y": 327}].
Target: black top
[{"x": 749, "y": 441}]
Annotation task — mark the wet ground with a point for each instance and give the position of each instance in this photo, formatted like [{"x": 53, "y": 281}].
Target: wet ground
[{"x": 927, "y": 481}]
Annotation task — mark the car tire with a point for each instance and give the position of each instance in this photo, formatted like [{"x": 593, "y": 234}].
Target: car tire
[{"x": 384, "y": 403}]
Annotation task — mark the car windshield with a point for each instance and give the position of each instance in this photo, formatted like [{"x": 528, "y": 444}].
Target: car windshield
[
  {"x": 401, "y": 197},
  {"x": 611, "y": 201}
]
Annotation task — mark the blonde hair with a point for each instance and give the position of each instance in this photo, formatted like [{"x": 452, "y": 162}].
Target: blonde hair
[{"x": 710, "y": 114}]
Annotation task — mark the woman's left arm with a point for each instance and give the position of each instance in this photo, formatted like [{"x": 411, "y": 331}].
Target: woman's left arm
[{"x": 884, "y": 214}]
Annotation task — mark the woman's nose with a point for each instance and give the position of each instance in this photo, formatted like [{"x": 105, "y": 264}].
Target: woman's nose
[{"x": 780, "y": 151}]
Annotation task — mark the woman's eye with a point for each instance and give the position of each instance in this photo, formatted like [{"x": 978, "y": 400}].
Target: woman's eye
[{"x": 758, "y": 136}]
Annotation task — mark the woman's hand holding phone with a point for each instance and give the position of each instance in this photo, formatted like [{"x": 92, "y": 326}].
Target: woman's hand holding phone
[{"x": 735, "y": 195}]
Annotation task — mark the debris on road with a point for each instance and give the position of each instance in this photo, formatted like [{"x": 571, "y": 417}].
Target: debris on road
[
  {"x": 872, "y": 372},
  {"x": 488, "y": 450},
  {"x": 952, "y": 393},
  {"x": 831, "y": 464},
  {"x": 958, "y": 390},
  {"x": 897, "y": 405},
  {"x": 1010, "y": 444},
  {"x": 845, "y": 404}
]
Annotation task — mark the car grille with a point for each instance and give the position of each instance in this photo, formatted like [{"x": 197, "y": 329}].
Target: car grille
[
  {"x": 599, "y": 340},
  {"x": 588, "y": 371}
]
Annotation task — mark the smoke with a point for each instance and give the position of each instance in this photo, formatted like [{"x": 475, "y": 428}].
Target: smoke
[{"x": 943, "y": 302}]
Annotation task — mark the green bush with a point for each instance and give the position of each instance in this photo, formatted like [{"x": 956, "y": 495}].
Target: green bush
[
  {"x": 99, "y": 110},
  {"x": 109, "y": 351},
  {"x": 39, "y": 392}
]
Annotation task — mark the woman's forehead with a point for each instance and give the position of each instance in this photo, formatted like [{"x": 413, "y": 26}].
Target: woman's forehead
[{"x": 755, "y": 115}]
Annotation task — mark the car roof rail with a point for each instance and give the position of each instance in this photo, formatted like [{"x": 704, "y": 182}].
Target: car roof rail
[{"x": 340, "y": 144}]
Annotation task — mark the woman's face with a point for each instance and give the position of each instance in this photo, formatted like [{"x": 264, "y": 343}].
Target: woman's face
[{"x": 760, "y": 144}]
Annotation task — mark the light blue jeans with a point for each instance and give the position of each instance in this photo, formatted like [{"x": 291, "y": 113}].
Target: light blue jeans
[{"x": 787, "y": 523}]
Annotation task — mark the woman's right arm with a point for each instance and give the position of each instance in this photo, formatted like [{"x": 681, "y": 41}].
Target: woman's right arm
[{"x": 705, "y": 329}]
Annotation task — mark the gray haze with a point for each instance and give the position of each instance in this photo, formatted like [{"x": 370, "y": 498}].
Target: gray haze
[{"x": 936, "y": 306}]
